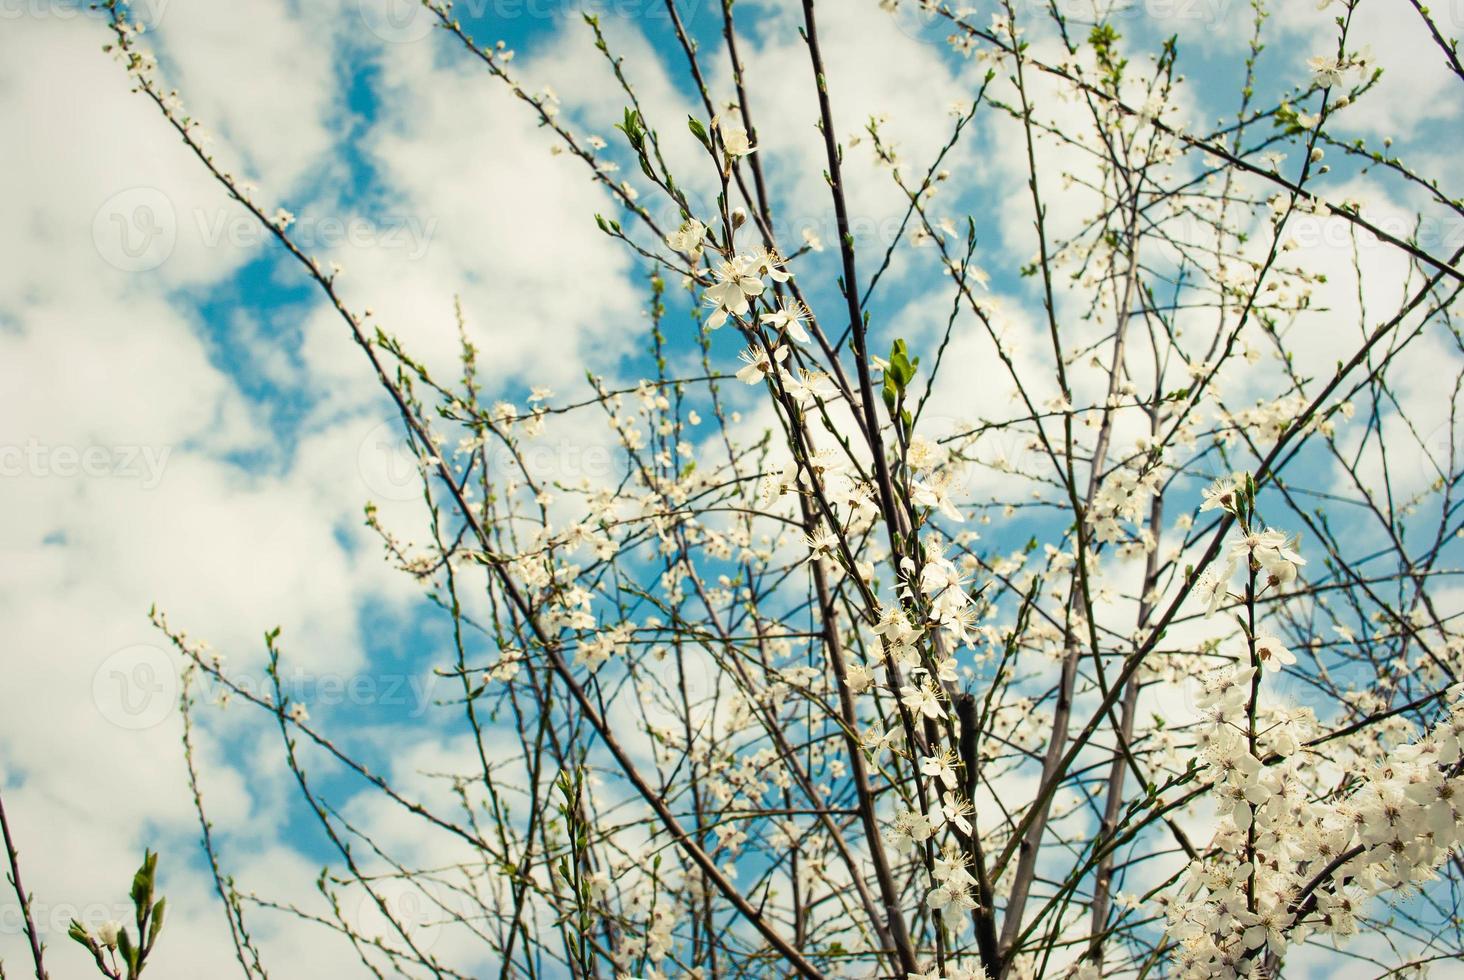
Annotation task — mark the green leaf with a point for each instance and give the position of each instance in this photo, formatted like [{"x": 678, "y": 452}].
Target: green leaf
[
  {"x": 902, "y": 368},
  {"x": 158, "y": 910},
  {"x": 631, "y": 127},
  {"x": 699, "y": 131},
  {"x": 141, "y": 887}
]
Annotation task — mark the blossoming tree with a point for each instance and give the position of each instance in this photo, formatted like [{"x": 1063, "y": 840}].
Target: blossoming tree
[{"x": 1153, "y": 673}]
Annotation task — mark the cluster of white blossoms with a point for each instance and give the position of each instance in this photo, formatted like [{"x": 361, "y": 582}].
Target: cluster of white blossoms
[
  {"x": 943, "y": 590},
  {"x": 596, "y": 648},
  {"x": 1267, "y": 420},
  {"x": 652, "y": 945},
  {"x": 736, "y": 283},
  {"x": 828, "y": 474},
  {"x": 951, "y": 973},
  {"x": 953, "y": 895},
  {"x": 738, "y": 280},
  {"x": 1292, "y": 857},
  {"x": 565, "y": 604},
  {"x": 1273, "y": 554},
  {"x": 932, "y": 483},
  {"x": 1123, "y": 497}
]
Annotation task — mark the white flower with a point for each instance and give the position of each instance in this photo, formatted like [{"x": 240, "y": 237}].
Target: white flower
[
  {"x": 299, "y": 714},
  {"x": 1273, "y": 551},
  {"x": 1212, "y": 589},
  {"x": 939, "y": 767},
  {"x": 108, "y": 932},
  {"x": 788, "y": 320},
  {"x": 1219, "y": 495},
  {"x": 758, "y": 363},
  {"x": 766, "y": 262},
  {"x": 894, "y": 626},
  {"x": 935, "y": 494},
  {"x": 1226, "y": 691},
  {"x": 924, "y": 699},
  {"x": 954, "y": 810},
  {"x": 923, "y": 454},
  {"x": 821, "y": 541},
  {"x": 734, "y": 138},
  {"x": 808, "y": 386},
  {"x": 1326, "y": 72},
  {"x": 942, "y": 581},
  {"x": 774, "y": 485},
  {"x": 1272, "y": 654},
  {"x": 689, "y": 238},
  {"x": 911, "y": 827},
  {"x": 729, "y": 294},
  {"x": 966, "y": 973},
  {"x": 1339, "y": 910},
  {"x": 876, "y": 743}
]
